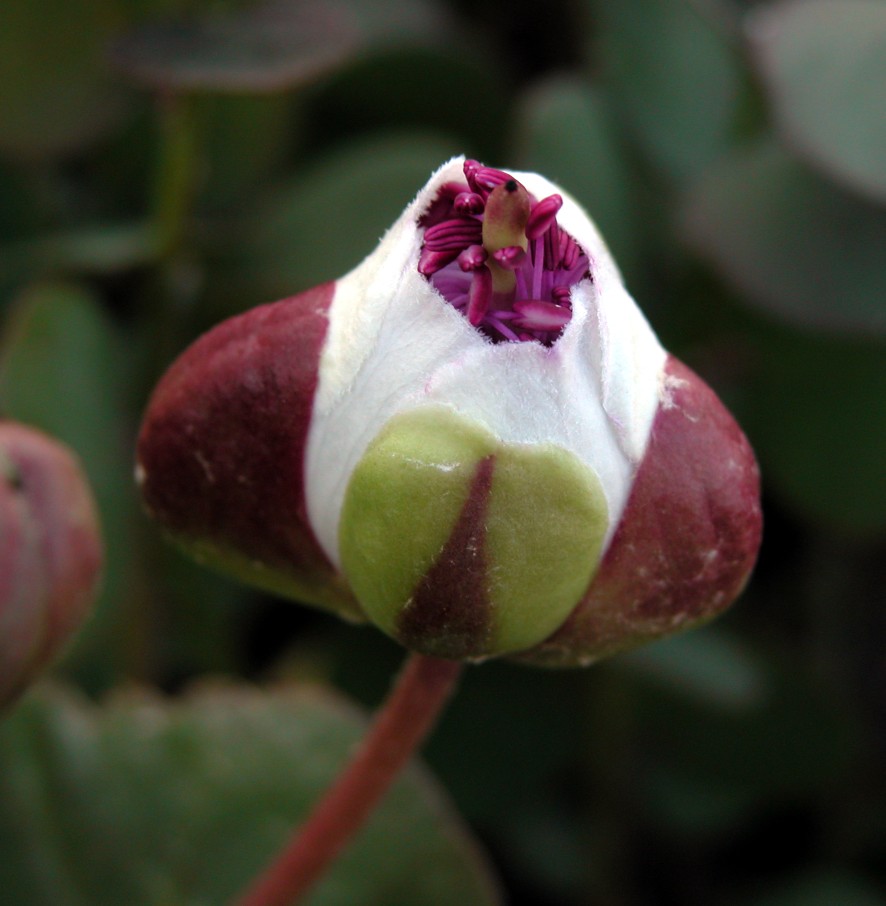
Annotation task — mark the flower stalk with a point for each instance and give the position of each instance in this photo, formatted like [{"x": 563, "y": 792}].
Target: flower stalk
[{"x": 400, "y": 726}]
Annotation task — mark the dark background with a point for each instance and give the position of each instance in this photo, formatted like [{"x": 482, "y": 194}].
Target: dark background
[{"x": 164, "y": 164}]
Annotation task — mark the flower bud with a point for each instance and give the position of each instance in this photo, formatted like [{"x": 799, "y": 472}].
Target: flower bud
[
  {"x": 50, "y": 555},
  {"x": 473, "y": 440}
]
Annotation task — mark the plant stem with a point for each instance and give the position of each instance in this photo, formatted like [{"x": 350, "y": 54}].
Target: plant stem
[
  {"x": 176, "y": 177},
  {"x": 399, "y": 728}
]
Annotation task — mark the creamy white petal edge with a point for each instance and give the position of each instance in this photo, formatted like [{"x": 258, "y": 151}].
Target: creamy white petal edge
[{"x": 394, "y": 344}]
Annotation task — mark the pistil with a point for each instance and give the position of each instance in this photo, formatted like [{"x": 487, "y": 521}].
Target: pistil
[{"x": 504, "y": 230}]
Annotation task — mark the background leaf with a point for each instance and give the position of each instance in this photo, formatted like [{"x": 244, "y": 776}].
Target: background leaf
[
  {"x": 565, "y": 129},
  {"x": 673, "y": 79},
  {"x": 57, "y": 94},
  {"x": 267, "y": 47},
  {"x": 819, "y": 889},
  {"x": 145, "y": 801},
  {"x": 824, "y": 65},
  {"x": 322, "y": 223},
  {"x": 63, "y": 368},
  {"x": 819, "y": 422},
  {"x": 794, "y": 245}
]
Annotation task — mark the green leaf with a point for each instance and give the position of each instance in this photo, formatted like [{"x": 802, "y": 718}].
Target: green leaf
[
  {"x": 794, "y": 245},
  {"x": 62, "y": 370},
  {"x": 147, "y": 801},
  {"x": 415, "y": 86},
  {"x": 565, "y": 130},
  {"x": 323, "y": 223},
  {"x": 511, "y": 730},
  {"x": 824, "y": 65},
  {"x": 269, "y": 47},
  {"x": 57, "y": 95},
  {"x": 705, "y": 766},
  {"x": 89, "y": 249},
  {"x": 818, "y": 423},
  {"x": 818, "y": 887},
  {"x": 673, "y": 80},
  {"x": 392, "y": 22},
  {"x": 246, "y": 140},
  {"x": 707, "y": 664},
  {"x": 21, "y": 214}
]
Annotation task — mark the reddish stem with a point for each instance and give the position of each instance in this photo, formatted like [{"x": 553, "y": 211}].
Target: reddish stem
[{"x": 399, "y": 728}]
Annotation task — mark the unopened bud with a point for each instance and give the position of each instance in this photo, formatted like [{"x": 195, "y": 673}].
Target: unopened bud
[{"x": 50, "y": 553}]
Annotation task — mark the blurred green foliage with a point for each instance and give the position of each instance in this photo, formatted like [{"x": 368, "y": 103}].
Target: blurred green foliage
[
  {"x": 165, "y": 163},
  {"x": 159, "y": 802}
]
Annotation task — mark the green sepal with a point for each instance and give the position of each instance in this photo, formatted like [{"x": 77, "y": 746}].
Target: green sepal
[
  {"x": 402, "y": 502},
  {"x": 535, "y": 543},
  {"x": 547, "y": 522}
]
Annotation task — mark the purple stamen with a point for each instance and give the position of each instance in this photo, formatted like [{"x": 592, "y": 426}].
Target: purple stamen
[
  {"x": 483, "y": 179},
  {"x": 522, "y": 290},
  {"x": 431, "y": 261},
  {"x": 467, "y": 204},
  {"x": 538, "y": 267},
  {"x": 552, "y": 247},
  {"x": 441, "y": 206},
  {"x": 510, "y": 257},
  {"x": 578, "y": 272},
  {"x": 479, "y": 295},
  {"x": 472, "y": 257},
  {"x": 487, "y": 179},
  {"x": 537, "y": 315},
  {"x": 503, "y": 329},
  {"x": 542, "y": 216},
  {"x": 452, "y": 234},
  {"x": 470, "y": 168},
  {"x": 499, "y": 257},
  {"x": 452, "y": 283},
  {"x": 569, "y": 251}
]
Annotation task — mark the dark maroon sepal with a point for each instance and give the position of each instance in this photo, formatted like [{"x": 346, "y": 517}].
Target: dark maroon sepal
[
  {"x": 688, "y": 538},
  {"x": 450, "y": 614},
  {"x": 221, "y": 452}
]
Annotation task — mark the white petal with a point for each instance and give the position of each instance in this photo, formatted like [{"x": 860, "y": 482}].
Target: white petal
[{"x": 395, "y": 343}]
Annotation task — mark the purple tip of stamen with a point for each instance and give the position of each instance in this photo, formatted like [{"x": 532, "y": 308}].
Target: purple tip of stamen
[
  {"x": 470, "y": 167},
  {"x": 561, "y": 294},
  {"x": 510, "y": 257},
  {"x": 484, "y": 179},
  {"x": 552, "y": 246},
  {"x": 569, "y": 251},
  {"x": 542, "y": 216},
  {"x": 441, "y": 207},
  {"x": 538, "y": 315},
  {"x": 488, "y": 178},
  {"x": 452, "y": 234},
  {"x": 430, "y": 261},
  {"x": 472, "y": 257},
  {"x": 468, "y": 204},
  {"x": 479, "y": 295}
]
